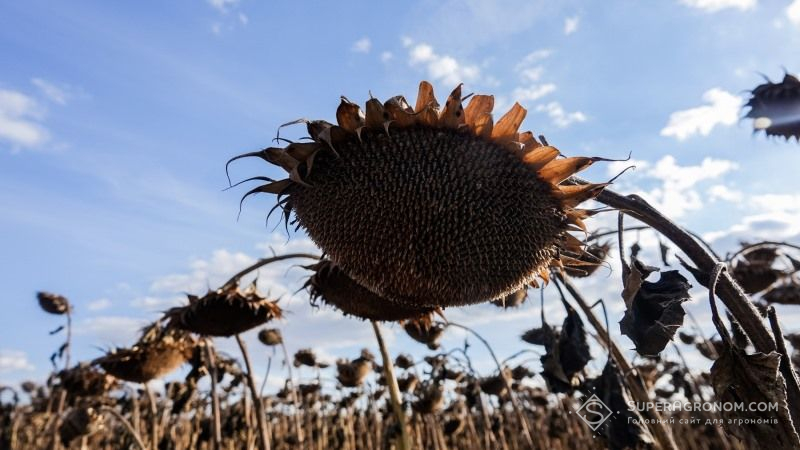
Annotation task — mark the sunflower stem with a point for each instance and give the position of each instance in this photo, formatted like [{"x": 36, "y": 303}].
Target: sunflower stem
[
  {"x": 394, "y": 390},
  {"x": 212, "y": 363},
  {"x": 786, "y": 362},
  {"x": 523, "y": 421},
  {"x": 153, "y": 416},
  {"x": 125, "y": 423},
  {"x": 728, "y": 290},
  {"x": 264, "y": 442},
  {"x": 295, "y": 395}
]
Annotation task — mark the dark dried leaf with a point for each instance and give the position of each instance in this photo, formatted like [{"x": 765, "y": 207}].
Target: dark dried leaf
[
  {"x": 785, "y": 294},
  {"x": 656, "y": 312},
  {"x": 624, "y": 429},
  {"x": 755, "y": 378}
]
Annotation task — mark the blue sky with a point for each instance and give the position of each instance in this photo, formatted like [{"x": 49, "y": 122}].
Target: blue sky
[{"x": 116, "y": 120}]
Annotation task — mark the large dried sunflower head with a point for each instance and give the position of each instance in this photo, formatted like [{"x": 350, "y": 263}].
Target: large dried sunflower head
[
  {"x": 334, "y": 287},
  {"x": 224, "y": 312},
  {"x": 432, "y": 206}
]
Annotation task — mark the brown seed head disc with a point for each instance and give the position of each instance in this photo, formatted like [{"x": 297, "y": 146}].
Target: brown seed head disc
[{"x": 430, "y": 216}]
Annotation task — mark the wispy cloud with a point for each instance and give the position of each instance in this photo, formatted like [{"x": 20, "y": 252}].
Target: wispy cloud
[
  {"x": 362, "y": 45},
  {"x": 718, "y": 5},
  {"x": 533, "y": 92},
  {"x": 21, "y": 120},
  {"x": 111, "y": 330},
  {"x": 676, "y": 191},
  {"x": 722, "y": 109},
  {"x": 99, "y": 304},
  {"x": 14, "y": 360},
  {"x": 722, "y": 192},
  {"x": 443, "y": 68},
  {"x": 386, "y": 56},
  {"x": 559, "y": 116},
  {"x": 223, "y": 6},
  {"x": 571, "y": 24},
  {"x": 53, "y": 92}
]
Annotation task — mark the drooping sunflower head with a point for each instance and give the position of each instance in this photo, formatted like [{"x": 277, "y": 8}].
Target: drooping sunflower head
[
  {"x": 224, "y": 312},
  {"x": 157, "y": 353},
  {"x": 330, "y": 285},
  {"x": 430, "y": 206}
]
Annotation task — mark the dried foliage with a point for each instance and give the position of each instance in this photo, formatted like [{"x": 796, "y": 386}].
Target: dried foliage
[{"x": 654, "y": 309}]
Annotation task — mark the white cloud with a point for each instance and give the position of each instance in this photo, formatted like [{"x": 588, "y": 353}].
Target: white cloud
[
  {"x": 223, "y": 6},
  {"x": 774, "y": 217},
  {"x": 216, "y": 28},
  {"x": 793, "y": 12},
  {"x": 111, "y": 330},
  {"x": 561, "y": 118},
  {"x": 441, "y": 67},
  {"x": 99, "y": 304},
  {"x": 533, "y": 92},
  {"x": 14, "y": 360},
  {"x": 362, "y": 45},
  {"x": 243, "y": 18},
  {"x": 676, "y": 192},
  {"x": 684, "y": 177},
  {"x": 722, "y": 192},
  {"x": 722, "y": 109},
  {"x": 386, "y": 56},
  {"x": 210, "y": 273},
  {"x": 20, "y": 120},
  {"x": 534, "y": 57},
  {"x": 54, "y": 93},
  {"x": 718, "y": 5},
  {"x": 155, "y": 304},
  {"x": 531, "y": 73},
  {"x": 777, "y": 202},
  {"x": 203, "y": 273},
  {"x": 571, "y": 25}
]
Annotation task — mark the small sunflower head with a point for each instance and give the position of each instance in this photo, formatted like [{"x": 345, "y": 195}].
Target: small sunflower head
[
  {"x": 432, "y": 206},
  {"x": 53, "y": 303},
  {"x": 270, "y": 337},
  {"x": 224, "y": 312},
  {"x": 156, "y": 354},
  {"x": 425, "y": 331}
]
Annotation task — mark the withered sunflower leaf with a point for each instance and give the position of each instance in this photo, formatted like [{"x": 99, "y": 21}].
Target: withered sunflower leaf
[
  {"x": 787, "y": 294},
  {"x": 624, "y": 429},
  {"x": 543, "y": 335},
  {"x": 633, "y": 281},
  {"x": 656, "y": 312},
  {"x": 573, "y": 347},
  {"x": 755, "y": 378}
]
